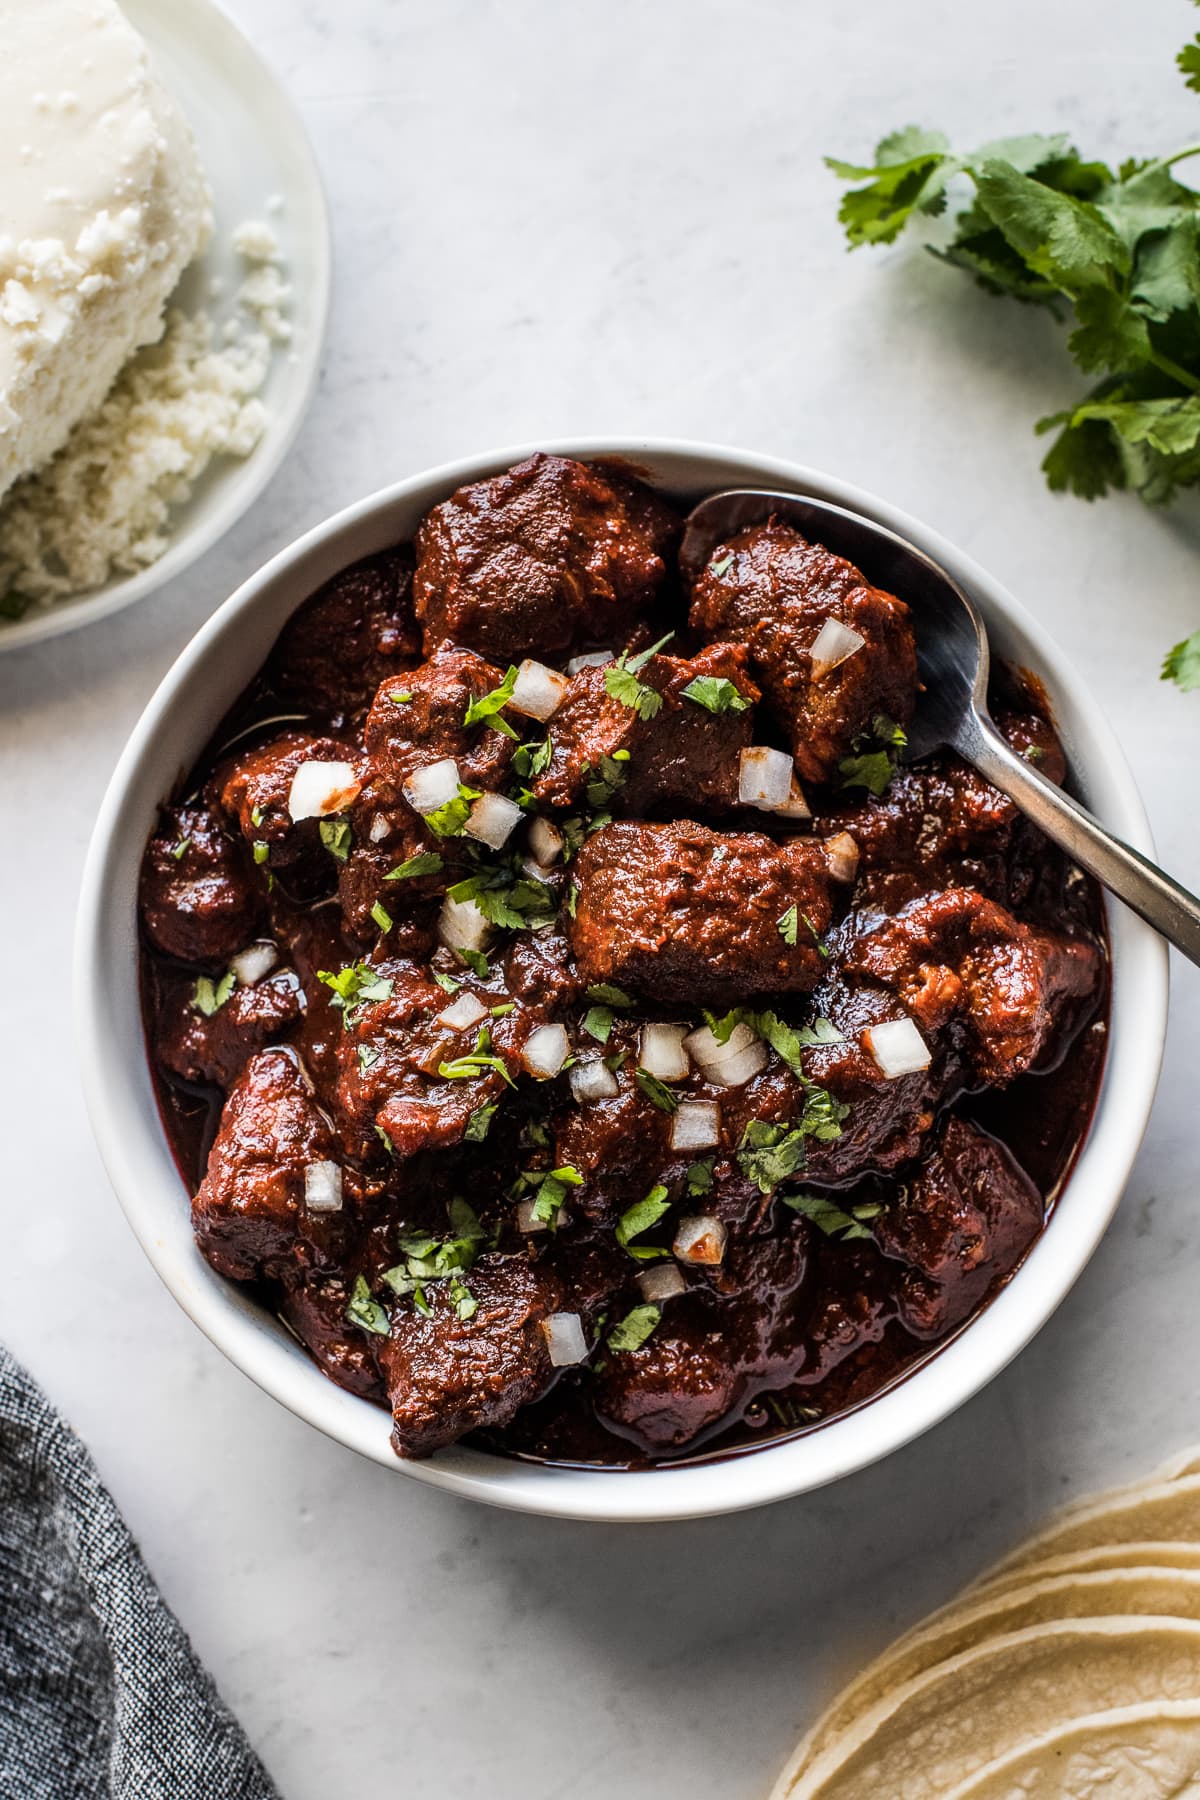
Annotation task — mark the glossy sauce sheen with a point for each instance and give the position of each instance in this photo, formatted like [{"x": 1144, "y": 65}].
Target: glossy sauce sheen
[{"x": 959, "y": 916}]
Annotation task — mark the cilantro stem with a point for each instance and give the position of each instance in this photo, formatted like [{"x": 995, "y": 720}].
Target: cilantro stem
[
  {"x": 1167, "y": 162},
  {"x": 1167, "y": 366}
]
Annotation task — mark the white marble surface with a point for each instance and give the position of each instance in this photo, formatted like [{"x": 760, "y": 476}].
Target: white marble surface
[{"x": 556, "y": 219}]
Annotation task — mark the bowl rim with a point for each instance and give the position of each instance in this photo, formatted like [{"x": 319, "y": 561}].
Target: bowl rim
[{"x": 132, "y": 1143}]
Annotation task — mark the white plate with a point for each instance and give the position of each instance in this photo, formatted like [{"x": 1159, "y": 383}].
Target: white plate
[{"x": 253, "y": 146}]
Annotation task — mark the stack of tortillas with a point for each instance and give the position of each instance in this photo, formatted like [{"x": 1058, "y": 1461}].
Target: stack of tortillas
[{"x": 1070, "y": 1672}]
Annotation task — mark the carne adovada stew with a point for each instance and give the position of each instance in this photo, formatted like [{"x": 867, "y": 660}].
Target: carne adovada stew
[{"x": 571, "y": 1012}]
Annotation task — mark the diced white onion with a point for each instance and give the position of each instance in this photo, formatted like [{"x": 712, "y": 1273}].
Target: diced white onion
[
  {"x": 463, "y": 1012},
  {"x": 841, "y": 854},
  {"x": 662, "y": 1281},
  {"x": 323, "y": 1186},
  {"x": 380, "y": 827},
  {"x": 321, "y": 788},
  {"x": 795, "y": 806},
  {"x": 592, "y": 1081},
  {"x": 696, "y": 1125},
  {"x": 538, "y": 692},
  {"x": 565, "y": 1339},
  {"x": 492, "y": 819},
  {"x": 439, "y": 1051},
  {"x": 252, "y": 963},
  {"x": 433, "y": 786},
  {"x": 898, "y": 1048},
  {"x": 461, "y": 925},
  {"x": 536, "y": 872},
  {"x": 595, "y": 659},
  {"x": 730, "y": 1064},
  {"x": 764, "y": 778},
  {"x": 545, "y": 841},
  {"x": 700, "y": 1239},
  {"x": 545, "y": 1051},
  {"x": 832, "y": 645},
  {"x": 526, "y": 1221},
  {"x": 662, "y": 1052}
]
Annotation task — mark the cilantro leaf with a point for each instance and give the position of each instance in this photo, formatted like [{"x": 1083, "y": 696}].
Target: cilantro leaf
[
  {"x": 427, "y": 863},
  {"x": 608, "y": 994},
  {"x": 479, "y": 1124},
  {"x": 448, "y": 820},
  {"x": 717, "y": 694},
  {"x": 787, "y": 925},
  {"x": 875, "y": 755},
  {"x": 621, "y": 682},
  {"x": 337, "y": 837},
  {"x": 365, "y": 1312},
  {"x": 639, "y": 1218},
  {"x": 382, "y": 917},
  {"x": 598, "y": 1023},
  {"x": 633, "y": 1330},
  {"x": 552, "y": 1192},
  {"x": 830, "y": 1218},
  {"x": 656, "y": 1091},
  {"x": 489, "y": 706},
  {"x": 355, "y": 986},
  {"x": 477, "y": 1063},
  {"x": 208, "y": 997},
  {"x": 1182, "y": 664}
]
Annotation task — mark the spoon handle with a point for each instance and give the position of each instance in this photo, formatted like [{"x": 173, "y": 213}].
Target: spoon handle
[{"x": 1169, "y": 908}]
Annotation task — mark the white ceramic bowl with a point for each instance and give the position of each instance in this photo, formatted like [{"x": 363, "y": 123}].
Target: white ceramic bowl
[{"x": 179, "y": 719}]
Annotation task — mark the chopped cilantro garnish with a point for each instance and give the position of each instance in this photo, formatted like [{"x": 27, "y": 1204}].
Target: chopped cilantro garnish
[
  {"x": 355, "y": 986},
  {"x": 337, "y": 837},
  {"x": 368, "y": 1056},
  {"x": 656, "y": 1092},
  {"x": 505, "y": 898},
  {"x": 256, "y": 816},
  {"x": 788, "y": 924},
  {"x": 552, "y": 1191},
  {"x": 606, "y": 783},
  {"x": 875, "y": 755},
  {"x": 475, "y": 1065},
  {"x": 639, "y": 1218},
  {"x": 427, "y": 863},
  {"x": 465, "y": 1303},
  {"x": 700, "y": 1177},
  {"x": 479, "y": 1123},
  {"x": 572, "y": 898},
  {"x": 385, "y": 1140},
  {"x": 829, "y": 1218},
  {"x": 532, "y": 759},
  {"x": 621, "y": 681},
  {"x": 822, "y": 948},
  {"x": 633, "y": 1330},
  {"x": 1182, "y": 664},
  {"x": 607, "y": 994},
  {"x": 261, "y": 851},
  {"x": 717, "y": 694},
  {"x": 427, "y": 1258},
  {"x": 178, "y": 849},
  {"x": 448, "y": 820},
  {"x": 598, "y": 1023},
  {"x": 474, "y": 960},
  {"x": 722, "y": 565},
  {"x": 502, "y": 1011},
  {"x": 724, "y": 1027},
  {"x": 401, "y": 696},
  {"x": 209, "y": 997},
  {"x": 449, "y": 984},
  {"x": 382, "y": 916},
  {"x": 488, "y": 706},
  {"x": 770, "y": 1154},
  {"x": 363, "y": 1311}
]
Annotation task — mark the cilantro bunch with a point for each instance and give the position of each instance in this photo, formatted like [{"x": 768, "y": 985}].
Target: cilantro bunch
[{"x": 1116, "y": 253}]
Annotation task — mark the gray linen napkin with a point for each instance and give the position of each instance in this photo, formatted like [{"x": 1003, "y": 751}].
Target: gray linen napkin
[{"x": 101, "y": 1695}]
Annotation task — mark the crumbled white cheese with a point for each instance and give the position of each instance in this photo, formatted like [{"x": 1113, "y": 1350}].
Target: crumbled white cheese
[
  {"x": 102, "y": 506},
  {"x": 103, "y": 203}
]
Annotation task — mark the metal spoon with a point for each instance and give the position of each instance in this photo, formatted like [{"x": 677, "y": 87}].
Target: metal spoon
[{"x": 954, "y": 660}]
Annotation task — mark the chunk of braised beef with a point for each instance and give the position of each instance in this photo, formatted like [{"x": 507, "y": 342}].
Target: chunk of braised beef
[
  {"x": 406, "y": 734},
  {"x": 253, "y": 789},
  {"x": 686, "y": 755},
  {"x": 961, "y": 1224},
  {"x": 250, "y": 1215},
  {"x": 355, "y": 632},
  {"x": 538, "y": 966},
  {"x": 772, "y": 590},
  {"x": 1020, "y": 993},
  {"x": 551, "y": 555},
  {"x": 315, "y": 1310},
  {"x": 714, "y": 1346},
  {"x": 446, "y": 1375},
  {"x": 940, "y": 823},
  {"x": 393, "y": 1047},
  {"x": 197, "y": 900},
  {"x": 213, "y": 1047},
  {"x": 684, "y": 914}
]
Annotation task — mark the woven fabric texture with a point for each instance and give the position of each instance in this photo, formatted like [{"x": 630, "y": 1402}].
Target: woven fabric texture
[{"x": 101, "y": 1694}]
